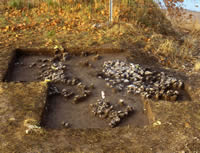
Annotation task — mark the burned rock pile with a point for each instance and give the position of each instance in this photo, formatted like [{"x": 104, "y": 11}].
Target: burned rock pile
[
  {"x": 105, "y": 110},
  {"x": 55, "y": 72},
  {"x": 138, "y": 80}
]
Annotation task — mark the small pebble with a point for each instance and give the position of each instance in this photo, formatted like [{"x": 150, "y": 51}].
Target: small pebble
[
  {"x": 121, "y": 102},
  {"x": 66, "y": 124}
]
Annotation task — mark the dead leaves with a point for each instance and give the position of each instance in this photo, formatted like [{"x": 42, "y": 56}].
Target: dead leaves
[{"x": 73, "y": 18}]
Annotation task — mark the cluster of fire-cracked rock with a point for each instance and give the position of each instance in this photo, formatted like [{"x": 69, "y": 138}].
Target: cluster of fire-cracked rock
[
  {"x": 81, "y": 95},
  {"x": 138, "y": 80},
  {"x": 105, "y": 110},
  {"x": 54, "y": 72}
]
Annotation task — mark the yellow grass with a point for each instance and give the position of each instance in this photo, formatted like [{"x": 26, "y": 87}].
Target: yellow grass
[{"x": 197, "y": 66}]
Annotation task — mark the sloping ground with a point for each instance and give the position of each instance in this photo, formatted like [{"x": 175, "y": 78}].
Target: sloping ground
[
  {"x": 174, "y": 126},
  {"x": 190, "y": 20}
]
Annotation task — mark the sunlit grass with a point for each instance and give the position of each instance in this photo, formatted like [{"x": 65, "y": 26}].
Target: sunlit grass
[{"x": 135, "y": 22}]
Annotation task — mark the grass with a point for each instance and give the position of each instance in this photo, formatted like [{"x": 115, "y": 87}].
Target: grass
[
  {"x": 3, "y": 21},
  {"x": 52, "y": 3},
  {"x": 20, "y": 4},
  {"x": 64, "y": 22},
  {"x": 51, "y": 33}
]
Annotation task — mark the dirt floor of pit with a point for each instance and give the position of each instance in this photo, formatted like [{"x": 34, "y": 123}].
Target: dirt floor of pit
[{"x": 59, "y": 110}]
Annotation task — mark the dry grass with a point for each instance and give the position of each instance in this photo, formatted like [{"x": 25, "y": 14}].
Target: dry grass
[
  {"x": 197, "y": 66},
  {"x": 70, "y": 24}
]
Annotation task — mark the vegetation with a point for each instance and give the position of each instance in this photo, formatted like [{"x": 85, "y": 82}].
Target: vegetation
[{"x": 71, "y": 24}]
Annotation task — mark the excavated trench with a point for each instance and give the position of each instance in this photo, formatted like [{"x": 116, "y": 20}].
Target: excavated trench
[{"x": 94, "y": 91}]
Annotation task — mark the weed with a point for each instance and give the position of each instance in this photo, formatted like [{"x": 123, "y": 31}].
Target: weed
[
  {"x": 26, "y": 20},
  {"x": 52, "y": 3},
  {"x": 169, "y": 48},
  {"x": 17, "y": 4},
  {"x": 3, "y": 22},
  {"x": 20, "y": 4},
  {"x": 51, "y": 33},
  {"x": 30, "y": 5}
]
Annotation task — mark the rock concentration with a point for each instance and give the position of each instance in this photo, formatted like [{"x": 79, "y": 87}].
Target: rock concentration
[
  {"x": 138, "y": 80},
  {"x": 105, "y": 110},
  {"x": 120, "y": 75}
]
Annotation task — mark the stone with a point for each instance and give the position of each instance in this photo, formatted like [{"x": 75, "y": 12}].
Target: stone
[
  {"x": 74, "y": 81},
  {"x": 44, "y": 60},
  {"x": 32, "y": 65},
  {"x": 84, "y": 54},
  {"x": 103, "y": 95},
  {"x": 65, "y": 56},
  {"x": 121, "y": 102},
  {"x": 53, "y": 90},
  {"x": 129, "y": 109},
  {"x": 180, "y": 84},
  {"x": 66, "y": 124},
  {"x": 148, "y": 73},
  {"x": 136, "y": 79}
]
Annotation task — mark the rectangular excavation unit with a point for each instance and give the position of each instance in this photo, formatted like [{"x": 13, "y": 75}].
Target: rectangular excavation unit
[{"x": 93, "y": 91}]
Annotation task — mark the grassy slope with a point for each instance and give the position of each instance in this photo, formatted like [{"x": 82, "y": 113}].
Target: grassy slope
[{"x": 71, "y": 25}]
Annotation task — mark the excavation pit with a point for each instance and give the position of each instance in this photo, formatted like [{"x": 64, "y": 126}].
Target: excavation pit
[{"x": 80, "y": 92}]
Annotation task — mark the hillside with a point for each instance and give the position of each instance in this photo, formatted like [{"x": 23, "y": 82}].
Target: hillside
[{"x": 189, "y": 20}]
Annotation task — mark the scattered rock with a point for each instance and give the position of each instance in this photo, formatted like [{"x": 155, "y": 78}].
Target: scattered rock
[
  {"x": 103, "y": 95},
  {"x": 44, "y": 60},
  {"x": 53, "y": 90},
  {"x": 84, "y": 54},
  {"x": 54, "y": 72},
  {"x": 105, "y": 110},
  {"x": 79, "y": 98},
  {"x": 66, "y": 124},
  {"x": 66, "y": 93},
  {"x": 65, "y": 56},
  {"x": 75, "y": 81},
  {"x": 32, "y": 65},
  {"x": 121, "y": 102}
]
